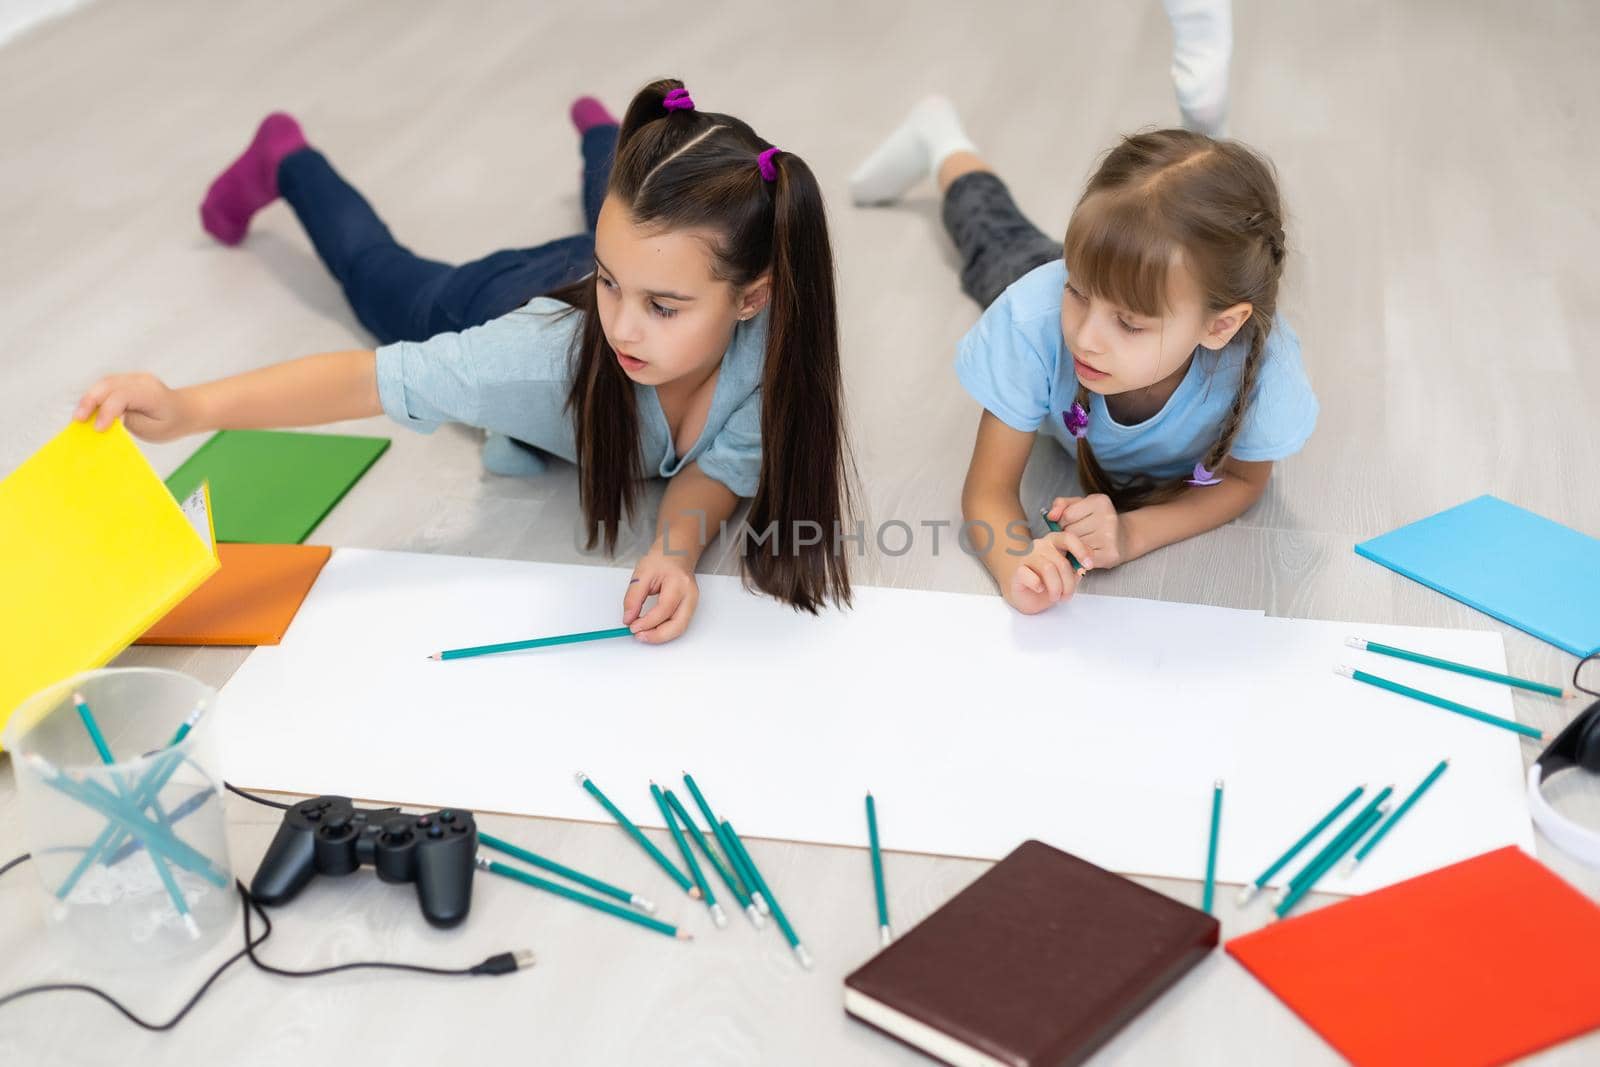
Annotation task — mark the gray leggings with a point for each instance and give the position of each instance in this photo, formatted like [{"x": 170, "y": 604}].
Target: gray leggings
[{"x": 997, "y": 243}]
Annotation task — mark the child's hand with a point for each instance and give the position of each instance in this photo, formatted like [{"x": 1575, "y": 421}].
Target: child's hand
[
  {"x": 147, "y": 407},
  {"x": 671, "y": 581},
  {"x": 1096, "y": 522},
  {"x": 1044, "y": 577}
]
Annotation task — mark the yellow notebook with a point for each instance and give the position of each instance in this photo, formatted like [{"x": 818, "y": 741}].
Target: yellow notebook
[{"x": 93, "y": 550}]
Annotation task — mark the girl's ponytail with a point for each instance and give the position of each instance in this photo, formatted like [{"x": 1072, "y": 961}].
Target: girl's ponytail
[
  {"x": 681, "y": 168},
  {"x": 804, "y": 496}
]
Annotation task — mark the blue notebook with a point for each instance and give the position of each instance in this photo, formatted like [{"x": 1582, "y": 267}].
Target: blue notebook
[{"x": 1536, "y": 575}]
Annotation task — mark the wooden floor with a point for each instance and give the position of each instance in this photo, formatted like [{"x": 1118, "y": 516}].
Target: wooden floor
[{"x": 1438, "y": 161}]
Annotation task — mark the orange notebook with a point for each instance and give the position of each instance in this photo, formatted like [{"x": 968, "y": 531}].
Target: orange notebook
[
  {"x": 1476, "y": 963},
  {"x": 250, "y": 601}
]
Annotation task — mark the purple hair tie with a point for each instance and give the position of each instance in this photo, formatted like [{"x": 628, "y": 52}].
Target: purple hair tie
[
  {"x": 769, "y": 170},
  {"x": 1076, "y": 419},
  {"x": 1202, "y": 476},
  {"x": 678, "y": 100}
]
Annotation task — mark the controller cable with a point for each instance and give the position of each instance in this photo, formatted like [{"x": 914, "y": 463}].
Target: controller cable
[{"x": 501, "y": 963}]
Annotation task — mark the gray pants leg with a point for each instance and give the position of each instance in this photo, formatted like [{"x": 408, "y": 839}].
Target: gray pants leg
[{"x": 997, "y": 243}]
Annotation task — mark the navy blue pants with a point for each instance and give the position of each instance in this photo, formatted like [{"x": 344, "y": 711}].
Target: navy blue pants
[{"x": 399, "y": 296}]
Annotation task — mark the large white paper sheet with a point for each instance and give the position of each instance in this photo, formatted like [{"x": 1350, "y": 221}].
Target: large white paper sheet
[{"x": 1099, "y": 726}]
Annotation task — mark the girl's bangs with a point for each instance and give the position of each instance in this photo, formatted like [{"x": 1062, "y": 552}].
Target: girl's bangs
[{"x": 1117, "y": 250}]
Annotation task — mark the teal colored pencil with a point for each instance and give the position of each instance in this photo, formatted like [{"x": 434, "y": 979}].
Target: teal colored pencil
[
  {"x": 1055, "y": 527},
  {"x": 537, "y": 642},
  {"x": 718, "y": 916},
  {"x": 632, "y": 899},
  {"x": 729, "y": 878},
  {"x": 1335, "y": 845},
  {"x": 168, "y": 882},
  {"x": 1365, "y": 822},
  {"x": 1458, "y": 668},
  {"x": 885, "y": 935},
  {"x": 494, "y": 867},
  {"x": 156, "y": 838},
  {"x": 741, "y": 864},
  {"x": 778, "y": 916},
  {"x": 1310, "y": 835},
  {"x": 144, "y": 792},
  {"x": 164, "y": 850},
  {"x": 639, "y": 838},
  {"x": 733, "y": 860},
  {"x": 106, "y": 757},
  {"x": 1209, "y": 895},
  {"x": 1439, "y": 702},
  {"x": 1405, "y": 806}
]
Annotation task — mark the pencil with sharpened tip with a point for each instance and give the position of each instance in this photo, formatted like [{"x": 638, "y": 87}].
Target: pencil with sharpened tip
[
  {"x": 1405, "y": 806},
  {"x": 1459, "y": 668},
  {"x": 718, "y": 916},
  {"x": 483, "y": 863},
  {"x": 1365, "y": 822},
  {"x": 1209, "y": 894},
  {"x": 638, "y": 836},
  {"x": 1439, "y": 702},
  {"x": 885, "y": 935},
  {"x": 778, "y": 916},
  {"x": 1335, "y": 845},
  {"x": 534, "y": 859},
  {"x": 537, "y": 642},
  {"x": 1249, "y": 891},
  {"x": 1055, "y": 527}
]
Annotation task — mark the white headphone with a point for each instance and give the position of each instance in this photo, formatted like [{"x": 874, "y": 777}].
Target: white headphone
[{"x": 1578, "y": 745}]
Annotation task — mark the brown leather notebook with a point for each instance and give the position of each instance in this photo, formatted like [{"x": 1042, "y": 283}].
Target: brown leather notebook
[{"x": 1036, "y": 964}]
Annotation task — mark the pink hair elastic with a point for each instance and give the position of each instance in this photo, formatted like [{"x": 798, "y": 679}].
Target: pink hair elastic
[
  {"x": 1076, "y": 419},
  {"x": 1202, "y": 476},
  {"x": 678, "y": 100},
  {"x": 769, "y": 169}
]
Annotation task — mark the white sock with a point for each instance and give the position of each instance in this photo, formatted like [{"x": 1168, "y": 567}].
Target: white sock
[
  {"x": 914, "y": 150},
  {"x": 1202, "y": 52}
]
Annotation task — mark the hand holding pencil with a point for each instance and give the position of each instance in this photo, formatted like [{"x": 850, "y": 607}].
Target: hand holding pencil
[
  {"x": 670, "y": 579},
  {"x": 1050, "y": 571},
  {"x": 1093, "y": 520}
]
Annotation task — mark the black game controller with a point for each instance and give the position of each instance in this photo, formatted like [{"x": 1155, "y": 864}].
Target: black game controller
[{"x": 330, "y": 835}]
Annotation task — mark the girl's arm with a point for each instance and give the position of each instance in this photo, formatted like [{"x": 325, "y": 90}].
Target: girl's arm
[
  {"x": 1116, "y": 538},
  {"x": 1197, "y": 509},
  {"x": 1032, "y": 574},
  {"x": 693, "y": 510},
  {"x": 330, "y": 387}
]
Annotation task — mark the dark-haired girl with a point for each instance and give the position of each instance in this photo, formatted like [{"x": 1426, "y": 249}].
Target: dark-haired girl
[
  {"x": 1147, "y": 343},
  {"x": 690, "y": 334}
]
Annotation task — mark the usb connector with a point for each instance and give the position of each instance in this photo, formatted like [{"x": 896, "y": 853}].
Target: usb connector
[{"x": 506, "y": 962}]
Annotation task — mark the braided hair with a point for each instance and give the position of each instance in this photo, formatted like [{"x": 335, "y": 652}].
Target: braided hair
[{"x": 1156, "y": 198}]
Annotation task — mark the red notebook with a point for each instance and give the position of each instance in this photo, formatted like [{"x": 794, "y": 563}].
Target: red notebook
[{"x": 1476, "y": 963}]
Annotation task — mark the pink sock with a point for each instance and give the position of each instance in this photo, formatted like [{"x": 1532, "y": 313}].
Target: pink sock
[
  {"x": 587, "y": 113},
  {"x": 251, "y": 182}
]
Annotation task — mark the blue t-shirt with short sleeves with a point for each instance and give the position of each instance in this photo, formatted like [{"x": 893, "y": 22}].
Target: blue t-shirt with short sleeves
[
  {"x": 511, "y": 375},
  {"x": 1016, "y": 364}
]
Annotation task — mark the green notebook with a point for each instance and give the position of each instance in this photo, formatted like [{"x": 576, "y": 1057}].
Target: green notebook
[{"x": 270, "y": 487}]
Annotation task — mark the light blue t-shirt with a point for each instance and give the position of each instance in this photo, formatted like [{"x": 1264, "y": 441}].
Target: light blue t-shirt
[
  {"x": 511, "y": 376},
  {"x": 1015, "y": 363}
]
